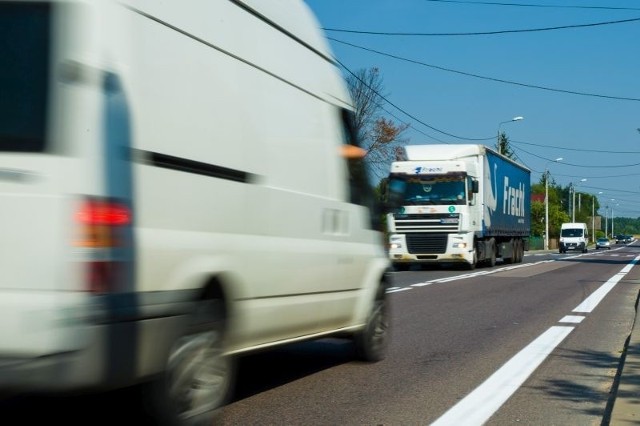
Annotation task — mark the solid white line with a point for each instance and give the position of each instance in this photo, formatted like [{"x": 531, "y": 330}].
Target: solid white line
[
  {"x": 575, "y": 319},
  {"x": 590, "y": 303},
  {"x": 477, "y": 407}
]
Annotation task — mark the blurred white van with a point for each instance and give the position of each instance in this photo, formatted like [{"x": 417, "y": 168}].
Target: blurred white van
[
  {"x": 174, "y": 193},
  {"x": 573, "y": 236}
]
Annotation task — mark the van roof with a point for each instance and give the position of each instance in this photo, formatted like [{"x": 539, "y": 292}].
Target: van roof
[{"x": 296, "y": 18}]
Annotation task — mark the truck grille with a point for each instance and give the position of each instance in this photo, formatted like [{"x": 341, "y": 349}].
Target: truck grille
[
  {"x": 426, "y": 243},
  {"x": 440, "y": 222}
]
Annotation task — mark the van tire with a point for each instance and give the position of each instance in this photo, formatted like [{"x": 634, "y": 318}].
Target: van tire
[
  {"x": 371, "y": 342},
  {"x": 198, "y": 379}
]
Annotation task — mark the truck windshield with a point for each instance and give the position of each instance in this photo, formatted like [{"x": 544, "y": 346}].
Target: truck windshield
[
  {"x": 435, "y": 190},
  {"x": 24, "y": 49}
]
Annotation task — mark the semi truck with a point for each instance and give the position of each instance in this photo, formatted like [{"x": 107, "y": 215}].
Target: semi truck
[{"x": 457, "y": 204}]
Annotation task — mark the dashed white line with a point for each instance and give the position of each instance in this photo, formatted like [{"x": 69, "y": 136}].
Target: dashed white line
[
  {"x": 596, "y": 297},
  {"x": 478, "y": 406},
  {"x": 575, "y": 319}
]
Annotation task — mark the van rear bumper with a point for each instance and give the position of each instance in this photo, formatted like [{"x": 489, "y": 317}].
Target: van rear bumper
[{"x": 85, "y": 346}]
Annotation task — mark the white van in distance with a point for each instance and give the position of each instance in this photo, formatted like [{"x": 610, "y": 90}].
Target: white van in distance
[
  {"x": 174, "y": 193},
  {"x": 573, "y": 236}
]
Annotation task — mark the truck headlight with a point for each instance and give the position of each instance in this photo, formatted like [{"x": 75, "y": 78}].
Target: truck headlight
[
  {"x": 395, "y": 242},
  {"x": 460, "y": 245}
]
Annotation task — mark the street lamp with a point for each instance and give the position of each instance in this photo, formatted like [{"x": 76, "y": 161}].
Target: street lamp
[
  {"x": 546, "y": 203},
  {"x": 573, "y": 208},
  {"x": 518, "y": 118}
]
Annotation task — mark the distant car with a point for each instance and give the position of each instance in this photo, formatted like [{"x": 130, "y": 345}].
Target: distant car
[
  {"x": 603, "y": 243},
  {"x": 621, "y": 239}
]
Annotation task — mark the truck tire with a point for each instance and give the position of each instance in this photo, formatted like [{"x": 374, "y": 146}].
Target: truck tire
[
  {"x": 491, "y": 261},
  {"x": 513, "y": 249},
  {"x": 371, "y": 342},
  {"x": 520, "y": 251}
]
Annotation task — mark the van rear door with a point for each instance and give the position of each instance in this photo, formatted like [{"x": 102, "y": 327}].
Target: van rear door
[{"x": 36, "y": 213}]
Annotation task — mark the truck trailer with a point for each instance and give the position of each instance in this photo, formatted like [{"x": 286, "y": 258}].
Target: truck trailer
[{"x": 460, "y": 204}]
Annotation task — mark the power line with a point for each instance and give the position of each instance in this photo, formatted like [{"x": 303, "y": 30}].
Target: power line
[
  {"x": 498, "y": 80},
  {"x": 405, "y": 112},
  {"x": 580, "y": 165},
  {"x": 575, "y": 149},
  {"x": 530, "y": 30},
  {"x": 533, "y": 5}
]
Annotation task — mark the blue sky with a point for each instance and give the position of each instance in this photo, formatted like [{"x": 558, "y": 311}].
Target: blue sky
[{"x": 597, "y": 137}]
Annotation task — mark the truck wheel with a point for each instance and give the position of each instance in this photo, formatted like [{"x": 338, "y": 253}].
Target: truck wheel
[
  {"x": 199, "y": 378},
  {"x": 372, "y": 341},
  {"x": 520, "y": 251},
  {"x": 492, "y": 253},
  {"x": 512, "y": 259}
]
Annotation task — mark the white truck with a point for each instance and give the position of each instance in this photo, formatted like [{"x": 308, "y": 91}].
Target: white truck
[{"x": 461, "y": 204}]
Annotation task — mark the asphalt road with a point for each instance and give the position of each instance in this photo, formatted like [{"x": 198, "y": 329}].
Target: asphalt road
[
  {"x": 454, "y": 332},
  {"x": 537, "y": 343}
]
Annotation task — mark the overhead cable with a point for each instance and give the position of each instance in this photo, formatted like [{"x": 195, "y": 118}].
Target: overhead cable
[
  {"x": 491, "y": 3},
  {"x": 498, "y": 80},
  {"x": 480, "y": 33},
  {"x": 405, "y": 112}
]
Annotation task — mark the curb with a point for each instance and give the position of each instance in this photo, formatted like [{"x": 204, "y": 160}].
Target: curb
[{"x": 626, "y": 395}]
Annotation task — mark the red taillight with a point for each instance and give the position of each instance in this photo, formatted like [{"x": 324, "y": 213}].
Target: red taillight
[
  {"x": 101, "y": 223},
  {"x": 103, "y": 229},
  {"x": 98, "y": 212}
]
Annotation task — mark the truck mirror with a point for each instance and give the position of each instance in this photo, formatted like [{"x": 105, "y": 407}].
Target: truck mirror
[{"x": 475, "y": 187}]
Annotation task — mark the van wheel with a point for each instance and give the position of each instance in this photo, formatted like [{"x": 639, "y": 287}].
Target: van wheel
[
  {"x": 372, "y": 341},
  {"x": 199, "y": 378}
]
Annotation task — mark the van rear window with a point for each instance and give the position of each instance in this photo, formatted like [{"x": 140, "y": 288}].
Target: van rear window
[{"x": 24, "y": 74}]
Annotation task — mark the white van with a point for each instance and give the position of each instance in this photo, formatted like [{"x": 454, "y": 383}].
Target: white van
[
  {"x": 573, "y": 236},
  {"x": 173, "y": 194}
]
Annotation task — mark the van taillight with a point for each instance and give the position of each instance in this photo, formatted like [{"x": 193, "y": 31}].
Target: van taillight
[
  {"x": 102, "y": 227},
  {"x": 101, "y": 222}
]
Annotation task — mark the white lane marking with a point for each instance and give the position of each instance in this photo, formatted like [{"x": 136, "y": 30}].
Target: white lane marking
[
  {"x": 590, "y": 303},
  {"x": 469, "y": 275},
  {"x": 399, "y": 289},
  {"x": 575, "y": 319},
  {"x": 477, "y": 407}
]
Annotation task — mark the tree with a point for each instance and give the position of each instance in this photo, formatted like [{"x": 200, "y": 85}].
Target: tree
[
  {"x": 380, "y": 136},
  {"x": 503, "y": 146}
]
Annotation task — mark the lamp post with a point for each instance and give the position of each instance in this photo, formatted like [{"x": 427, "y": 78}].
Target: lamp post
[
  {"x": 573, "y": 208},
  {"x": 612, "y": 233},
  {"x": 593, "y": 218},
  {"x": 606, "y": 221},
  {"x": 546, "y": 203},
  {"x": 518, "y": 118}
]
